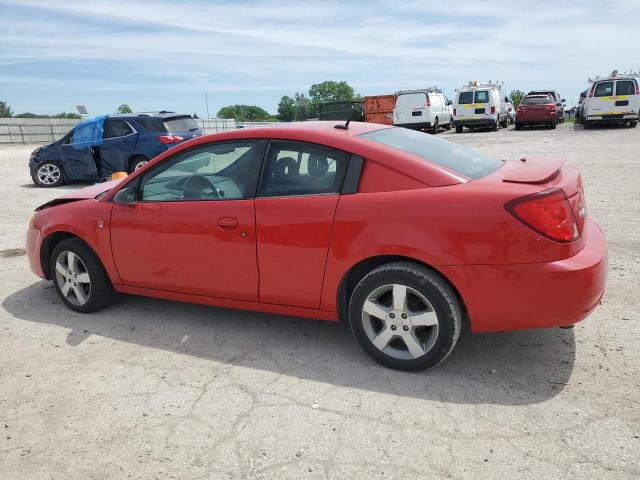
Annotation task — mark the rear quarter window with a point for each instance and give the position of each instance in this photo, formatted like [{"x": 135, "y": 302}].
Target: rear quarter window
[{"x": 458, "y": 158}]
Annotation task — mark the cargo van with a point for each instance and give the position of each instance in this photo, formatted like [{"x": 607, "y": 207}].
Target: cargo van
[
  {"x": 422, "y": 110},
  {"x": 613, "y": 100},
  {"x": 480, "y": 106}
]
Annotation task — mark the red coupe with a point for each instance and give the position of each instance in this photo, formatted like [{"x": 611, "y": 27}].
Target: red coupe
[{"x": 402, "y": 235}]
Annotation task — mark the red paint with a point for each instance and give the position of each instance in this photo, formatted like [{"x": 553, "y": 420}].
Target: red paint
[
  {"x": 379, "y": 109},
  {"x": 295, "y": 251}
]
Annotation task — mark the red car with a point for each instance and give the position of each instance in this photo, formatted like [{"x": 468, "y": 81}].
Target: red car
[
  {"x": 537, "y": 110},
  {"x": 402, "y": 235}
]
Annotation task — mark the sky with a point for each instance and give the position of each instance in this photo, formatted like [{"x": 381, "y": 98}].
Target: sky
[{"x": 154, "y": 55}]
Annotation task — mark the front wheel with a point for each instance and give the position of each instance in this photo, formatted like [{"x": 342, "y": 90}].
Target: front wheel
[
  {"x": 79, "y": 278},
  {"x": 435, "y": 126},
  {"x": 405, "y": 316},
  {"x": 137, "y": 162},
  {"x": 48, "y": 174},
  {"x": 554, "y": 124},
  {"x": 495, "y": 126}
]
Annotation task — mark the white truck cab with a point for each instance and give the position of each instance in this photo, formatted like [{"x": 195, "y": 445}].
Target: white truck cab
[
  {"x": 480, "y": 106},
  {"x": 422, "y": 110},
  {"x": 612, "y": 100}
]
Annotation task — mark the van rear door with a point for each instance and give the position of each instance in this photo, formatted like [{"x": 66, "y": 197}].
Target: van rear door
[
  {"x": 410, "y": 108},
  {"x": 625, "y": 101}
]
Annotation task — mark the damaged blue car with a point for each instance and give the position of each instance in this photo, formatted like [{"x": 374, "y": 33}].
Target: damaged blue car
[{"x": 100, "y": 146}]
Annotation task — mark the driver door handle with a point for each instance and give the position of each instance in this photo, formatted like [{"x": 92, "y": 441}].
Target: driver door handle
[{"x": 228, "y": 223}]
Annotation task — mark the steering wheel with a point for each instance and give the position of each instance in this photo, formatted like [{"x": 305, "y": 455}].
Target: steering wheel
[{"x": 197, "y": 187}]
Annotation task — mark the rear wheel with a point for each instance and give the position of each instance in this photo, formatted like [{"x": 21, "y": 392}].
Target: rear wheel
[
  {"x": 459, "y": 128},
  {"x": 554, "y": 124},
  {"x": 518, "y": 126},
  {"x": 405, "y": 316},
  {"x": 588, "y": 125},
  {"x": 79, "y": 278},
  {"x": 633, "y": 123},
  {"x": 137, "y": 162},
  {"x": 48, "y": 174}
]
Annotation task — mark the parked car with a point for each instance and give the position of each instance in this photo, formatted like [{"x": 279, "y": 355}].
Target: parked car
[
  {"x": 537, "y": 110},
  {"x": 580, "y": 107},
  {"x": 511, "y": 111},
  {"x": 365, "y": 223},
  {"x": 422, "y": 110},
  {"x": 99, "y": 146},
  {"x": 379, "y": 109},
  {"x": 613, "y": 100},
  {"x": 558, "y": 100},
  {"x": 480, "y": 106}
]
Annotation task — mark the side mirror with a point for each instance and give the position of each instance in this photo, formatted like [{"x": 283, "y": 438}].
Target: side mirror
[
  {"x": 449, "y": 102},
  {"x": 558, "y": 104},
  {"x": 506, "y": 99},
  {"x": 126, "y": 196},
  {"x": 564, "y": 100}
]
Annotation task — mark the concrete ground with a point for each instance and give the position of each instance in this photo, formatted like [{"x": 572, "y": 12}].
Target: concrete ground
[{"x": 156, "y": 389}]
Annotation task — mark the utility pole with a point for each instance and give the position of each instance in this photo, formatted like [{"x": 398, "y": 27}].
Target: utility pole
[{"x": 206, "y": 101}]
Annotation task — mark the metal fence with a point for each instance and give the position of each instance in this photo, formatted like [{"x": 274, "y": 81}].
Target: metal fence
[{"x": 47, "y": 130}]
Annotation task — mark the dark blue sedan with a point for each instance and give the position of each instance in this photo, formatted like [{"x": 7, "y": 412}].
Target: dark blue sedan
[{"x": 99, "y": 146}]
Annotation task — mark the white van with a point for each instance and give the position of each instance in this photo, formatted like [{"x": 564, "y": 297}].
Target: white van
[
  {"x": 422, "y": 110},
  {"x": 612, "y": 100},
  {"x": 480, "y": 106}
]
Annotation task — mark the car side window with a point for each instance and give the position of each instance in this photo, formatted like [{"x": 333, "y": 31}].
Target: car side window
[
  {"x": 217, "y": 171},
  {"x": 116, "y": 128},
  {"x": 298, "y": 168},
  {"x": 604, "y": 89}
]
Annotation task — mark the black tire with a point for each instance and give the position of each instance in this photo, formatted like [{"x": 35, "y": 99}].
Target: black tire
[
  {"x": 588, "y": 125},
  {"x": 553, "y": 125},
  {"x": 48, "y": 174},
  {"x": 495, "y": 126},
  {"x": 439, "y": 339},
  {"x": 518, "y": 126},
  {"x": 633, "y": 123},
  {"x": 505, "y": 123},
  {"x": 459, "y": 128},
  {"x": 435, "y": 127},
  {"x": 99, "y": 292},
  {"x": 449, "y": 124},
  {"x": 136, "y": 162}
]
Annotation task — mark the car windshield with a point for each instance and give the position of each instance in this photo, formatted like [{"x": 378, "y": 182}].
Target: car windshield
[
  {"x": 536, "y": 100},
  {"x": 458, "y": 158}
]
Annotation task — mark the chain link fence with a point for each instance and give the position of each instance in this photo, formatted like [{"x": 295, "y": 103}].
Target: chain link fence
[{"x": 47, "y": 130}]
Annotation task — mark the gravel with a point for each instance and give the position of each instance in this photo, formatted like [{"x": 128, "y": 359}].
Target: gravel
[{"x": 157, "y": 389}]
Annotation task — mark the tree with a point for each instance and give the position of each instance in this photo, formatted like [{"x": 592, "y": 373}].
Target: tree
[
  {"x": 244, "y": 113},
  {"x": 331, "y": 91},
  {"x": 66, "y": 115},
  {"x": 286, "y": 109},
  {"x": 5, "y": 110},
  {"x": 28, "y": 115},
  {"x": 124, "y": 108},
  {"x": 516, "y": 97},
  {"x": 304, "y": 107}
]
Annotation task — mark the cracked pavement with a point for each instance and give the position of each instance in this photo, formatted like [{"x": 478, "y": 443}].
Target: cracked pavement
[{"x": 156, "y": 389}]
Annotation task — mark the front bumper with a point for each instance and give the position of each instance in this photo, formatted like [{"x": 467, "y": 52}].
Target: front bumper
[
  {"x": 33, "y": 245},
  {"x": 537, "y": 295}
]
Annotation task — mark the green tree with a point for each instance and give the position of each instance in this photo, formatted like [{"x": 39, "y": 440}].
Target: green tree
[
  {"x": 5, "y": 110},
  {"x": 244, "y": 113},
  {"x": 124, "y": 108},
  {"x": 331, "y": 91},
  {"x": 28, "y": 115},
  {"x": 516, "y": 97},
  {"x": 66, "y": 115},
  {"x": 286, "y": 109},
  {"x": 304, "y": 107}
]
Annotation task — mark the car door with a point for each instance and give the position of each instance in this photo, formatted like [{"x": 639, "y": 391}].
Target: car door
[
  {"x": 192, "y": 226},
  {"x": 602, "y": 100},
  {"x": 119, "y": 142},
  {"x": 297, "y": 197},
  {"x": 77, "y": 158},
  {"x": 625, "y": 100}
]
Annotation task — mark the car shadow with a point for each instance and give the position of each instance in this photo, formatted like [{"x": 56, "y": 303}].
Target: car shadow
[{"x": 515, "y": 368}]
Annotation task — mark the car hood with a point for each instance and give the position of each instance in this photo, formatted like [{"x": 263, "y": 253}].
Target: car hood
[{"x": 83, "y": 194}]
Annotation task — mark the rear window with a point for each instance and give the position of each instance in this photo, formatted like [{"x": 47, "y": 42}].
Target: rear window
[
  {"x": 453, "y": 156},
  {"x": 168, "y": 125},
  {"x": 465, "y": 97},
  {"x": 604, "y": 89},
  {"x": 536, "y": 100},
  {"x": 625, "y": 87},
  {"x": 180, "y": 124},
  {"x": 482, "y": 96}
]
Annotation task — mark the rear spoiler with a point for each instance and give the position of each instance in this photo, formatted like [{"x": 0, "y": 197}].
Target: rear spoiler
[{"x": 536, "y": 170}]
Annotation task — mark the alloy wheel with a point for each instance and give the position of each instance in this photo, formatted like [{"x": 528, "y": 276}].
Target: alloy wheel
[
  {"x": 400, "y": 321},
  {"x": 73, "y": 278},
  {"x": 48, "y": 174},
  {"x": 140, "y": 164}
]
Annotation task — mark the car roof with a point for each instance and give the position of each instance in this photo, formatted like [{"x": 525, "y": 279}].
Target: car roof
[{"x": 162, "y": 114}]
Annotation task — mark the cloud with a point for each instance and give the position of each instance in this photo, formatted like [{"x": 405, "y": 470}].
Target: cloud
[{"x": 266, "y": 49}]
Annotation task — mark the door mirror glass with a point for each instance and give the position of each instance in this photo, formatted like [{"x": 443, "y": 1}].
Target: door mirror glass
[
  {"x": 449, "y": 102},
  {"x": 126, "y": 196},
  {"x": 564, "y": 100}
]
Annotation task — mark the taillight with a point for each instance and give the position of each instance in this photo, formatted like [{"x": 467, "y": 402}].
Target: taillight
[
  {"x": 454, "y": 112},
  {"x": 637, "y": 89},
  {"x": 493, "y": 110},
  {"x": 167, "y": 139},
  {"x": 428, "y": 101},
  {"x": 593, "y": 87},
  {"x": 548, "y": 212}
]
